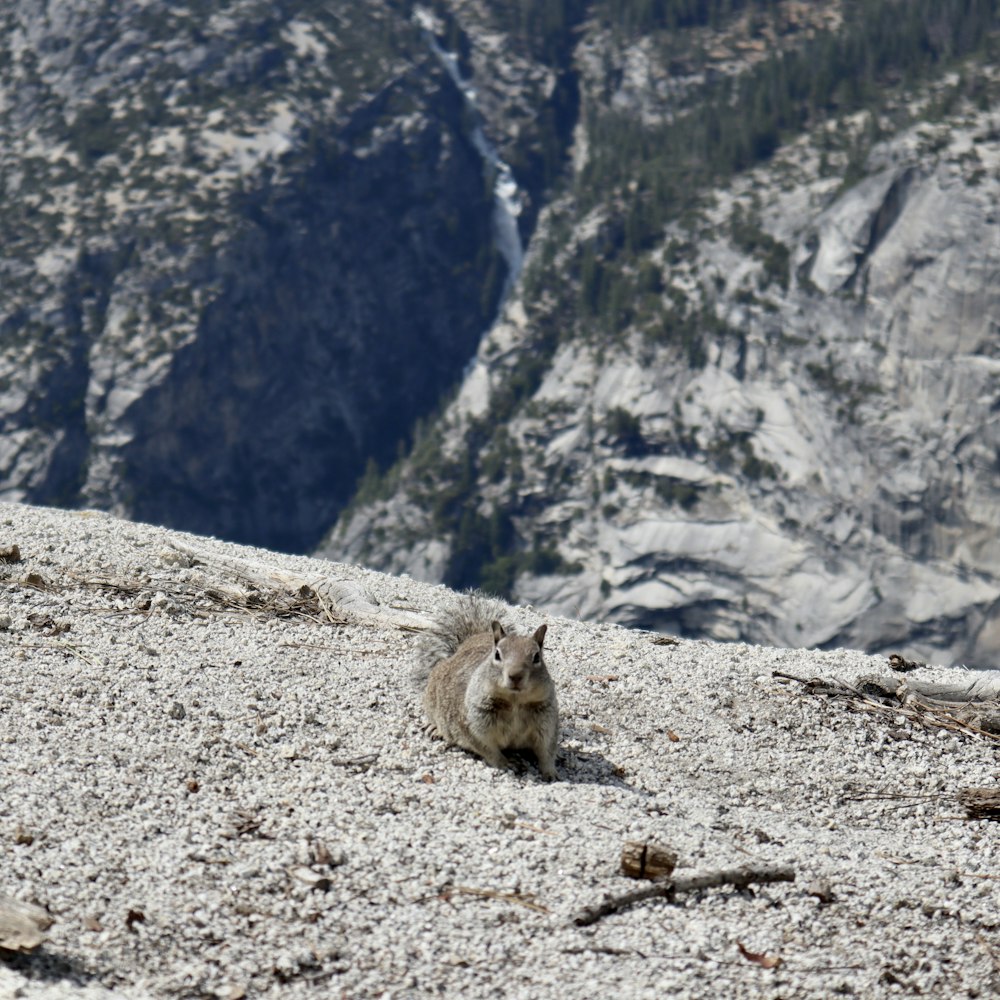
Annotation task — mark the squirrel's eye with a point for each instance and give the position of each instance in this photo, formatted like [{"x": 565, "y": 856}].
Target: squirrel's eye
[{"x": 536, "y": 659}]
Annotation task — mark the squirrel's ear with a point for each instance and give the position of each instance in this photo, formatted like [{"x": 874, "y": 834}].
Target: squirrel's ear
[
  {"x": 498, "y": 632},
  {"x": 539, "y": 635}
]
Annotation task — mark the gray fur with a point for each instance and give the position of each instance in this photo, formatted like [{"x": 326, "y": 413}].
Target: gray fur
[
  {"x": 485, "y": 689},
  {"x": 470, "y": 614}
]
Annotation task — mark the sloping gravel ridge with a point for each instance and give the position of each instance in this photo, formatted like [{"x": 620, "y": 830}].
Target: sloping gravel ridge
[{"x": 223, "y": 791}]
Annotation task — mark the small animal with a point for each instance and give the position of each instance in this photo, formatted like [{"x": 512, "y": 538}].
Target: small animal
[{"x": 486, "y": 689}]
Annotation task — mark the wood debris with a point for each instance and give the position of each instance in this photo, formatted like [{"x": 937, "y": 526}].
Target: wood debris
[
  {"x": 22, "y": 925},
  {"x": 322, "y": 855},
  {"x": 970, "y": 707},
  {"x": 521, "y": 899},
  {"x": 759, "y": 958},
  {"x": 338, "y": 601},
  {"x": 645, "y": 860},
  {"x": 903, "y": 665},
  {"x": 218, "y": 597},
  {"x": 980, "y": 803},
  {"x": 822, "y": 890},
  {"x": 445, "y": 895},
  {"x": 43, "y": 622},
  {"x": 667, "y": 888},
  {"x": 313, "y": 879}
]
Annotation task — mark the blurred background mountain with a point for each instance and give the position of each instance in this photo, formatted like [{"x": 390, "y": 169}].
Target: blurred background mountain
[{"x": 678, "y": 313}]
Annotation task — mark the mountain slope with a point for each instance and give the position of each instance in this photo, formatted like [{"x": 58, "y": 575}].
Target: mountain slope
[
  {"x": 742, "y": 386},
  {"x": 246, "y": 246},
  {"x": 765, "y": 410}
]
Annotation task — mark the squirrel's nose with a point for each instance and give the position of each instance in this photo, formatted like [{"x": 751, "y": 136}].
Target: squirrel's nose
[{"x": 514, "y": 680}]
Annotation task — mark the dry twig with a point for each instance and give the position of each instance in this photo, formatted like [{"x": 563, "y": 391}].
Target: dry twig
[
  {"x": 66, "y": 647},
  {"x": 467, "y": 890},
  {"x": 740, "y": 877}
]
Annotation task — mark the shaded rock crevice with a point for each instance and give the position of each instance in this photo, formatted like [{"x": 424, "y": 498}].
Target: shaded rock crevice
[{"x": 331, "y": 334}]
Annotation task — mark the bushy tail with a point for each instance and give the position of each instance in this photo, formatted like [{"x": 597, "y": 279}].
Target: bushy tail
[{"x": 466, "y": 615}]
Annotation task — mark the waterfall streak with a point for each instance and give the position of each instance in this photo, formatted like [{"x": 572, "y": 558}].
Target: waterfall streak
[{"x": 506, "y": 194}]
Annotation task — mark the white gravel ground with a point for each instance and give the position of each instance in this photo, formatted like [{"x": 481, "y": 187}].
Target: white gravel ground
[{"x": 216, "y": 802}]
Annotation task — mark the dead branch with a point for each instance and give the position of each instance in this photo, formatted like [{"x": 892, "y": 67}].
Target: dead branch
[
  {"x": 740, "y": 877},
  {"x": 969, "y": 706},
  {"x": 980, "y": 803},
  {"x": 817, "y": 684}
]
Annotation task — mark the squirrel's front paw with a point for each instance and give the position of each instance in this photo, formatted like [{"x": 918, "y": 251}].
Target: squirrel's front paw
[
  {"x": 547, "y": 767},
  {"x": 499, "y": 761}
]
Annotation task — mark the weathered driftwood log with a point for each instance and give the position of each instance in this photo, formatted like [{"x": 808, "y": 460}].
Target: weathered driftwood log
[
  {"x": 973, "y": 698},
  {"x": 970, "y": 703},
  {"x": 335, "y": 596},
  {"x": 980, "y": 803},
  {"x": 668, "y": 888},
  {"x": 644, "y": 860},
  {"x": 21, "y": 925},
  {"x": 967, "y": 687}
]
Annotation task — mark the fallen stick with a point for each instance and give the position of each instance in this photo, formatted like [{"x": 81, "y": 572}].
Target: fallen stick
[{"x": 739, "y": 877}]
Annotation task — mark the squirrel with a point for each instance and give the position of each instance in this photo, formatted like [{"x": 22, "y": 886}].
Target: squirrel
[{"x": 485, "y": 689}]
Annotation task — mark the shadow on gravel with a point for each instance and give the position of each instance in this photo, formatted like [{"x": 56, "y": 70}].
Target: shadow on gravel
[
  {"x": 588, "y": 768},
  {"x": 47, "y": 966},
  {"x": 575, "y": 767}
]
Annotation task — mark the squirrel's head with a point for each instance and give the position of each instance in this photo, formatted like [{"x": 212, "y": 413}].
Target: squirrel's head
[{"x": 517, "y": 659}]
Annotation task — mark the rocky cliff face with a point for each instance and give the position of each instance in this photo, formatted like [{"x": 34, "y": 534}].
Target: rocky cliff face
[
  {"x": 246, "y": 246},
  {"x": 792, "y": 437},
  {"x": 744, "y": 386}
]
